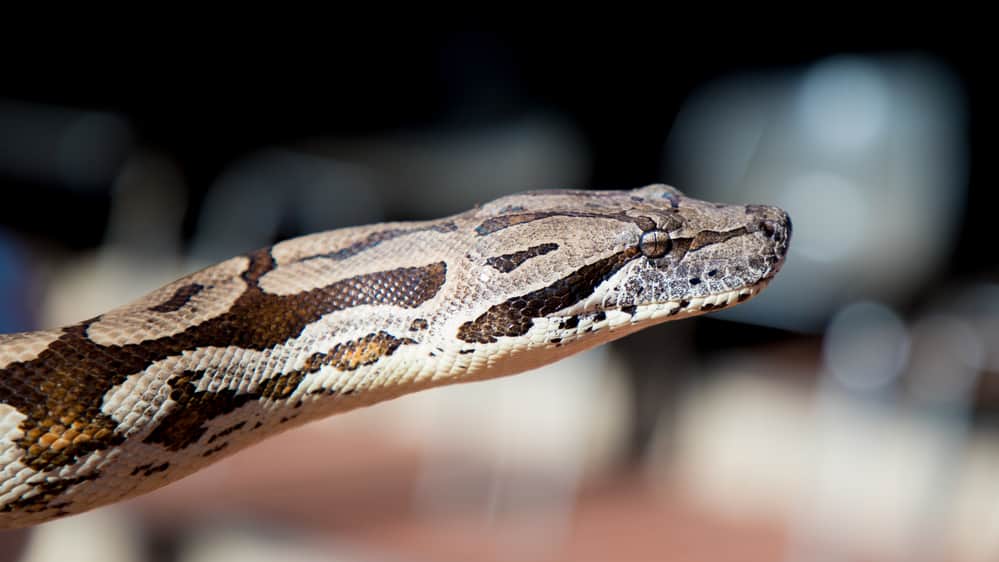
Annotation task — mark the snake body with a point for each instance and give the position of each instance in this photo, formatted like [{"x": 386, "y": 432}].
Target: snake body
[{"x": 130, "y": 400}]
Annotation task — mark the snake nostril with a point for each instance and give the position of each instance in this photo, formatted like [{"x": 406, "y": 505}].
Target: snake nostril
[{"x": 769, "y": 229}]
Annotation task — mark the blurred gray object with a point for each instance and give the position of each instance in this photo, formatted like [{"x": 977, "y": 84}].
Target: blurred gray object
[{"x": 868, "y": 156}]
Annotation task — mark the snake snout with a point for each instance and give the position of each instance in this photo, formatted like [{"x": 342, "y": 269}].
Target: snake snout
[{"x": 774, "y": 223}]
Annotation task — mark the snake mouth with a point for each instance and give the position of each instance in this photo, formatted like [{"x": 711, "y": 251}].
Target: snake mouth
[
  {"x": 676, "y": 309},
  {"x": 634, "y": 316}
]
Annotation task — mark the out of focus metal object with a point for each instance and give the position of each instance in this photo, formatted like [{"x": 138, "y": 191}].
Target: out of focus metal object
[{"x": 867, "y": 154}]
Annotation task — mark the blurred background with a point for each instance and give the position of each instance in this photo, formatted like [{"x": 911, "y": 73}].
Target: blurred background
[{"x": 847, "y": 414}]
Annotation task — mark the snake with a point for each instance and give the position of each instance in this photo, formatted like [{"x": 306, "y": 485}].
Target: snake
[{"x": 128, "y": 401}]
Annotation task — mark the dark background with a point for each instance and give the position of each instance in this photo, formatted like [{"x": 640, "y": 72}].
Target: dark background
[
  {"x": 207, "y": 109},
  {"x": 622, "y": 90}
]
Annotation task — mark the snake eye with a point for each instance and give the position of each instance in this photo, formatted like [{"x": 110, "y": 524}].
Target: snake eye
[{"x": 655, "y": 244}]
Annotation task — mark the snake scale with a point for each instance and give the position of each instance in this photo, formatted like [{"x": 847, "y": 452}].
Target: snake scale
[{"x": 150, "y": 392}]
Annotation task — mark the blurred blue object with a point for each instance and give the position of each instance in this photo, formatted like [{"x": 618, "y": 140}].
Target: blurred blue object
[{"x": 14, "y": 287}]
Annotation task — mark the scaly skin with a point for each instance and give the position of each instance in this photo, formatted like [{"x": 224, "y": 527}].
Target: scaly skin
[{"x": 145, "y": 394}]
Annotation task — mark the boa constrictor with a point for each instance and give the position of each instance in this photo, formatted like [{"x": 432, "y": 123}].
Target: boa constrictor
[{"x": 145, "y": 394}]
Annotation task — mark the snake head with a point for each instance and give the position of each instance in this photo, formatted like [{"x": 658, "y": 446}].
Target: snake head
[
  {"x": 577, "y": 263},
  {"x": 701, "y": 256}
]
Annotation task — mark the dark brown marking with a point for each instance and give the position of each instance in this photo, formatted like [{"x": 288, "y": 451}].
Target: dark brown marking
[
  {"x": 376, "y": 238},
  {"x": 679, "y": 247},
  {"x": 418, "y": 324},
  {"x": 515, "y": 316},
  {"x": 555, "y": 340},
  {"x": 708, "y": 237},
  {"x": 743, "y": 297},
  {"x": 61, "y": 391},
  {"x": 219, "y": 447},
  {"x": 259, "y": 320},
  {"x": 282, "y": 386},
  {"x": 465, "y": 351},
  {"x": 695, "y": 281},
  {"x": 365, "y": 351},
  {"x": 185, "y": 424},
  {"x": 495, "y": 224},
  {"x": 149, "y": 470},
  {"x": 187, "y": 421},
  {"x": 630, "y": 310},
  {"x": 154, "y": 469},
  {"x": 227, "y": 431},
  {"x": 684, "y": 303},
  {"x": 600, "y": 316},
  {"x": 508, "y": 262},
  {"x": 570, "y": 323},
  {"x": 180, "y": 297},
  {"x": 45, "y": 491}
]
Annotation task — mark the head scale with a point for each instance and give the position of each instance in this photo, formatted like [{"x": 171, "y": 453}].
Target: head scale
[{"x": 579, "y": 264}]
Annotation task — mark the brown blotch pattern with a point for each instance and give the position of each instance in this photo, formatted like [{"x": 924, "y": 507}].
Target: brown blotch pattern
[
  {"x": 418, "y": 324},
  {"x": 61, "y": 390},
  {"x": 187, "y": 421},
  {"x": 64, "y": 421},
  {"x": 508, "y": 262},
  {"x": 515, "y": 316},
  {"x": 180, "y": 297}
]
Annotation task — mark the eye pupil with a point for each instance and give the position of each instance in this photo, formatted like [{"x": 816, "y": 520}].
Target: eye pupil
[{"x": 655, "y": 244}]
